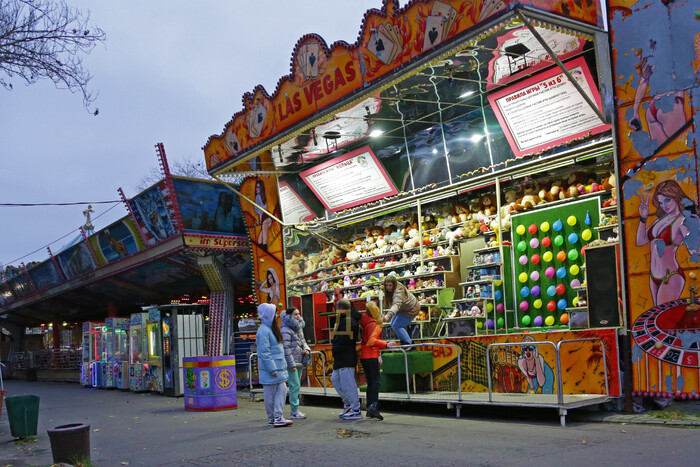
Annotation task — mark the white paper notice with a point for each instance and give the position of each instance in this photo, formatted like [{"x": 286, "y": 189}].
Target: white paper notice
[
  {"x": 548, "y": 110},
  {"x": 293, "y": 208},
  {"x": 354, "y": 179}
]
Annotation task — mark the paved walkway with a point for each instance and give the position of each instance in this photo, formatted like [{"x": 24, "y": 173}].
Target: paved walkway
[{"x": 153, "y": 430}]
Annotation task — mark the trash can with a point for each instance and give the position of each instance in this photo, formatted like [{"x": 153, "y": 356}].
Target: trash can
[
  {"x": 23, "y": 414},
  {"x": 70, "y": 443}
]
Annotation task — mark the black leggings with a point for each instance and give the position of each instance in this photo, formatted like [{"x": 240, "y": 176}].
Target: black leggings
[{"x": 371, "y": 367}]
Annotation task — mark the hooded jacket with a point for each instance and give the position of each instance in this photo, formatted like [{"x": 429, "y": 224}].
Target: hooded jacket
[
  {"x": 272, "y": 367},
  {"x": 344, "y": 340},
  {"x": 294, "y": 342}
]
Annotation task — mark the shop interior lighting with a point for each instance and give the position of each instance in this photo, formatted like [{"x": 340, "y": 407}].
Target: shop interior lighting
[
  {"x": 375, "y": 133},
  {"x": 466, "y": 94},
  {"x": 477, "y": 138},
  {"x": 435, "y": 151}
]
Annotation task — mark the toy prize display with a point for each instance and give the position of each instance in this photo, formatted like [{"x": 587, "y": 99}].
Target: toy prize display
[
  {"x": 92, "y": 351},
  {"x": 549, "y": 247},
  {"x": 116, "y": 353}
]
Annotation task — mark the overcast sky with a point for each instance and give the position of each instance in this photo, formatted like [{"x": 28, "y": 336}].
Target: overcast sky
[{"x": 170, "y": 71}]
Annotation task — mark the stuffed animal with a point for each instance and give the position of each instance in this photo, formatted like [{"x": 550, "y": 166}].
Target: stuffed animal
[
  {"x": 460, "y": 213},
  {"x": 529, "y": 199},
  {"x": 487, "y": 204}
]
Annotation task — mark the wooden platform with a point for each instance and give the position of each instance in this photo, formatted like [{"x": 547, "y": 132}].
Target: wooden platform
[{"x": 454, "y": 400}]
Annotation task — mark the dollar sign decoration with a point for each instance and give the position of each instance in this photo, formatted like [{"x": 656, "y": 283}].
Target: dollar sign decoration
[{"x": 223, "y": 379}]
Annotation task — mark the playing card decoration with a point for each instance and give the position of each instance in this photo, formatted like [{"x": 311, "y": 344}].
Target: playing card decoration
[
  {"x": 308, "y": 59},
  {"x": 438, "y": 24},
  {"x": 385, "y": 42},
  {"x": 231, "y": 141}
]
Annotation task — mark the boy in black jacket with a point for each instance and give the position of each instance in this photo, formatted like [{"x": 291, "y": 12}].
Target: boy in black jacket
[{"x": 345, "y": 336}]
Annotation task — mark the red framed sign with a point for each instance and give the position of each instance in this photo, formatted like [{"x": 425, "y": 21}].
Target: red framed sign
[
  {"x": 350, "y": 180},
  {"x": 562, "y": 114}
]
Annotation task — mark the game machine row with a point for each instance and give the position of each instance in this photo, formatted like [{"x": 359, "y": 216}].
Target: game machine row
[
  {"x": 160, "y": 338},
  {"x": 116, "y": 336},
  {"x": 91, "y": 352}
]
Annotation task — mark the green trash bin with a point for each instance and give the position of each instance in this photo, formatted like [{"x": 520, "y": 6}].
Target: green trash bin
[{"x": 23, "y": 414}]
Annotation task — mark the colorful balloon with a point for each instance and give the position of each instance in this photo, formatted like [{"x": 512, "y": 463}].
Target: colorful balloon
[
  {"x": 489, "y": 307},
  {"x": 520, "y": 230},
  {"x": 544, "y": 226},
  {"x": 561, "y": 289},
  {"x": 549, "y": 320},
  {"x": 551, "y": 306},
  {"x": 489, "y": 323},
  {"x": 547, "y": 256},
  {"x": 524, "y": 305},
  {"x": 538, "y": 321},
  {"x": 546, "y": 241},
  {"x": 588, "y": 221},
  {"x": 564, "y": 318},
  {"x": 535, "y": 291},
  {"x": 586, "y": 235},
  {"x": 573, "y": 237},
  {"x": 498, "y": 295},
  {"x": 534, "y": 243},
  {"x": 532, "y": 229},
  {"x": 557, "y": 226},
  {"x": 574, "y": 269},
  {"x": 551, "y": 291},
  {"x": 522, "y": 277},
  {"x": 574, "y": 302},
  {"x": 549, "y": 272},
  {"x": 497, "y": 283},
  {"x": 522, "y": 245},
  {"x": 573, "y": 254},
  {"x": 558, "y": 240},
  {"x": 575, "y": 283},
  {"x": 525, "y": 320},
  {"x": 479, "y": 324},
  {"x": 501, "y": 322},
  {"x": 561, "y": 256},
  {"x": 535, "y": 276},
  {"x": 571, "y": 220},
  {"x": 523, "y": 259},
  {"x": 561, "y": 304},
  {"x": 535, "y": 259},
  {"x": 537, "y": 304},
  {"x": 561, "y": 272},
  {"x": 500, "y": 308},
  {"x": 525, "y": 291}
]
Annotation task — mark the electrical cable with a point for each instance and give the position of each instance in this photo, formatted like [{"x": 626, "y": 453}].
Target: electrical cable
[
  {"x": 56, "y": 204},
  {"x": 66, "y": 235}
]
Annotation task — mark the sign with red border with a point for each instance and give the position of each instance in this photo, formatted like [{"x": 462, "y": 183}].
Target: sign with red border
[
  {"x": 350, "y": 180},
  {"x": 294, "y": 209},
  {"x": 546, "y": 110}
]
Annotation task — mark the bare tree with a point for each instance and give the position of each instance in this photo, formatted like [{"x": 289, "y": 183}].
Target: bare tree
[
  {"x": 184, "y": 167},
  {"x": 47, "y": 39}
]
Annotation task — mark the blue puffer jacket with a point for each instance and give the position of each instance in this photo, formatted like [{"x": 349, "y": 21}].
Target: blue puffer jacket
[{"x": 270, "y": 356}]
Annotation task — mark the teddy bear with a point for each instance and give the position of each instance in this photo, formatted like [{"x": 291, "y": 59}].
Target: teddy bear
[
  {"x": 460, "y": 213},
  {"x": 529, "y": 199},
  {"x": 487, "y": 204},
  {"x": 409, "y": 225}
]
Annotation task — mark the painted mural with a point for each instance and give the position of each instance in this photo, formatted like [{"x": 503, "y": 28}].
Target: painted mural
[
  {"x": 45, "y": 275},
  {"x": 657, "y": 56},
  {"x": 151, "y": 210},
  {"x": 117, "y": 241},
  {"x": 390, "y": 37},
  {"x": 265, "y": 238},
  {"x": 527, "y": 368},
  {"x": 208, "y": 207},
  {"x": 76, "y": 260}
]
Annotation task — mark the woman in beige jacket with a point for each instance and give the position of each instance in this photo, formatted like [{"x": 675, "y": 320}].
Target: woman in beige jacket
[{"x": 400, "y": 308}]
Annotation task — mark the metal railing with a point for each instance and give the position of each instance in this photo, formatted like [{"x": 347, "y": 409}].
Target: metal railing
[
  {"x": 404, "y": 348},
  {"x": 557, "y": 350},
  {"x": 323, "y": 365},
  {"x": 56, "y": 359}
]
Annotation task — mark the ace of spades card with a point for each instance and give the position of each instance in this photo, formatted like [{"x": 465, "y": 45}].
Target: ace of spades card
[
  {"x": 446, "y": 11},
  {"x": 308, "y": 59},
  {"x": 382, "y": 45},
  {"x": 256, "y": 120},
  {"x": 434, "y": 26},
  {"x": 231, "y": 141}
]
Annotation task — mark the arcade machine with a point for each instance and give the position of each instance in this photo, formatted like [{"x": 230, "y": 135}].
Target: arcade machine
[
  {"x": 92, "y": 335},
  {"x": 116, "y": 353},
  {"x": 137, "y": 347},
  {"x": 174, "y": 332}
]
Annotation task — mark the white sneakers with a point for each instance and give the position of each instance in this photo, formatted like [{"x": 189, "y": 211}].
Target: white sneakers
[
  {"x": 351, "y": 415},
  {"x": 281, "y": 421},
  {"x": 297, "y": 415}
]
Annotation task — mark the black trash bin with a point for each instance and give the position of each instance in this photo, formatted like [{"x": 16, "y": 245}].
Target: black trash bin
[
  {"x": 70, "y": 442},
  {"x": 23, "y": 413}
]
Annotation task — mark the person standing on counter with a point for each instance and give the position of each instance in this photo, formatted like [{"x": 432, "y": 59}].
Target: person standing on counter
[{"x": 400, "y": 308}]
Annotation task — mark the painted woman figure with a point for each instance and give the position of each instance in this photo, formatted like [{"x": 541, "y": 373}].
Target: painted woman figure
[
  {"x": 537, "y": 372},
  {"x": 669, "y": 231},
  {"x": 271, "y": 286},
  {"x": 264, "y": 220}
]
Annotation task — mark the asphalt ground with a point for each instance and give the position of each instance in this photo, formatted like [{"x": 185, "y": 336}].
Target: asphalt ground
[{"x": 143, "y": 429}]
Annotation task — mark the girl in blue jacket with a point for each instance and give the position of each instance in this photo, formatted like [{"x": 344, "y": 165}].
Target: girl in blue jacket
[{"x": 272, "y": 367}]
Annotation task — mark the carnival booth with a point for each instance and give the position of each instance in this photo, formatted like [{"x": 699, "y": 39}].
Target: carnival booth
[
  {"x": 117, "y": 353},
  {"x": 92, "y": 348},
  {"x": 464, "y": 147}
]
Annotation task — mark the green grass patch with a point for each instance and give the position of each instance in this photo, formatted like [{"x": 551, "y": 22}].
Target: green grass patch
[
  {"x": 27, "y": 440},
  {"x": 670, "y": 414}
]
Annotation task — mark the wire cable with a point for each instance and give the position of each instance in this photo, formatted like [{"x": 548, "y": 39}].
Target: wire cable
[{"x": 11, "y": 205}]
